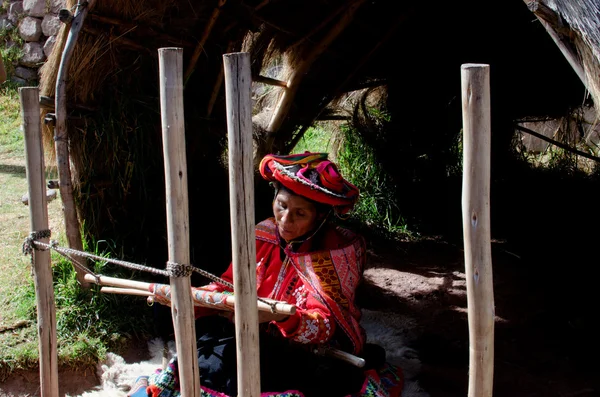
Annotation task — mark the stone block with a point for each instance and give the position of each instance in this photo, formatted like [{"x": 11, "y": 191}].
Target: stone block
[
  {"x": 30, "y": 29},
  {"x": 33, "y": 55},
  {"x": 35, "y": 8},
  {"x": 49, "y": 45},
  {"x": 56, "y": 6},
  {"x": 5, "y": 23},
  {"x": 15, "y": 11},
  {"x": 50, "y": 25},
  {"x": 26, "y": 73}
]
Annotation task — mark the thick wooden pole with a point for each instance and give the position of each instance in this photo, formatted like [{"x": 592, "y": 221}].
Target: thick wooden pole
[
  {"x": 38, "y": 216},
  {"x": 476, "y": 226},
  {"x": 173, "y": 134},
  {"x": 61, "y": 138},
  {"x": 238, "y": 83}
]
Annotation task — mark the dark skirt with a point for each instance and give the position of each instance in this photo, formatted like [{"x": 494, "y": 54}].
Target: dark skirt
[{"x": 283, "y": 365}]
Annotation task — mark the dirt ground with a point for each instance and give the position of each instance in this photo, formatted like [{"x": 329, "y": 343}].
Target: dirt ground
[{"x": 543, "y": 346}]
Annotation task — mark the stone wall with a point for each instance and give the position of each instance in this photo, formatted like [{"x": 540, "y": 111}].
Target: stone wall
[{"x": 37, "y": 24}]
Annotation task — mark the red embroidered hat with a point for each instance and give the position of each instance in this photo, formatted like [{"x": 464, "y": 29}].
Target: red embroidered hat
[{"x": 313, "y": 176}]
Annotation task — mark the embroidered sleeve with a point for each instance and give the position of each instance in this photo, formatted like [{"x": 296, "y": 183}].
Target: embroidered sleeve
[{"x": 312, "y": 322}]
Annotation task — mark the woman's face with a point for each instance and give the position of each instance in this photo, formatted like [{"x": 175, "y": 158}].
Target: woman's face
[{"x": 294, "y": 214}]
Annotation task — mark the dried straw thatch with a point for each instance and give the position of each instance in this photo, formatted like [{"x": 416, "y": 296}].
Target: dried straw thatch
[{"x": 322, "y": 51}]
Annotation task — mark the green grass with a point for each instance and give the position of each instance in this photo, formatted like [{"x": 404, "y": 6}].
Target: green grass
[
  {"x": 11, "y": 138},
  {"x": 89, "y": 323},
  {"x": 376, "y": 207}
]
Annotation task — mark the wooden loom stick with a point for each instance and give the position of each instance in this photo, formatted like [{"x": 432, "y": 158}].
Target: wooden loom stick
[
  {"x": 131, "y": 287},
  {"x": 280, "y": 308}
]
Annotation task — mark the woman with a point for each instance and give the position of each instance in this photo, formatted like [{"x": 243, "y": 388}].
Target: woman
[{"x": 304, "y": 259}]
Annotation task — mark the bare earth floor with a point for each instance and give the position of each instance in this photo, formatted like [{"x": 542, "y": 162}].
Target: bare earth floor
[{"x": 543, "y": 344}]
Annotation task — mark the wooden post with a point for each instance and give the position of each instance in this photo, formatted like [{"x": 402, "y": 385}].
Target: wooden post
[
  {"x": 238, "y": 101},
  {"x": 38, "y": 217},
  {"x": 173, "y": 134},
  {"x": 476, "y": 226},
  {"x": 61, "y": 139}
]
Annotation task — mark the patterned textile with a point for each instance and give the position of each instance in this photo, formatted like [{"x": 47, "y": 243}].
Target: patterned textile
[
  {"x": 165, "y": 384},
  {"x": 329, "y": 275},
  {"x": 385, "y": 382},
  {"x": 313, "y": 176},
  {"x": 161, "y": 293}
]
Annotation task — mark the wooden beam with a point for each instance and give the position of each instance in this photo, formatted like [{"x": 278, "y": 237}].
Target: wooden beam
[
  {"x": 556, "y": 143},
  {"x": 555, "y": 28},
  {"x": 119, "y": 40},
  {"x": 475, "y": 82},
  {"x": 176, "y": 191},
  {"x": 200, "y": 45},
  {"x": 38, "y": 220},
  {"x": 321, "y": 25},
  {"x": 146, "y": 30},
  {"x": 47, "y": 102},
  {"x": 61, "y": 138},
  {"x": 269, "y": 81},
  {"x": 286, "y": 100},
  {"x": 238, "y": 85},
  {"x": 218, "y": 84},
  {"x": 341, "y": 86}
]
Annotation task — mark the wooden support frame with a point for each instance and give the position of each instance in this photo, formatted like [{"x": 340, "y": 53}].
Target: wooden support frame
[
  {"x": 61, "y": 138},
  {"x": 286, "y": 100},
  {"x": 269, "y": 81},
  {"x": 344, "y": 83},
  {"x": 476, "y": 226},
  {"x": 173, "y": 134},
  {"x": 217, "y": 86},
  {"x": 550, "y": 22},
  {"x": 238, "y": 85},
  {"x": 38, "y": 219},
  {"x": 200, "y": 46}
]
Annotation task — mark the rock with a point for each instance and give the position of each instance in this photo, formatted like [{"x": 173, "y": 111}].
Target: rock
[
  {"x": 56, "y": 6},
  {"x": 19, "y": 81},
  {"x": 49, "y": 45},
  {"x": 15, "y": 11},
  {"x": 26, "y": 73},
  {"x": 50, "y": 25},
  {"x": 5, "y": 23},
  {"x": 33, "y": 54},
  {"x": 30, "y": 29},
  {"x": 35, "y": 8}
]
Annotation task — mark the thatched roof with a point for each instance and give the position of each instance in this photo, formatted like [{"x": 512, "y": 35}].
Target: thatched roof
[{"x": 324, "y": 51}]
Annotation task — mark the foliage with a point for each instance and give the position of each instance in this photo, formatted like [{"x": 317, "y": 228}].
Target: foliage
[
  {"x": 11, "y": 48},
  {"x": 377, "y": 207},
  {"x": 11, "y": 138},
  {"x": 316, "y": 139},
  {"x": 88, "y": 322}
]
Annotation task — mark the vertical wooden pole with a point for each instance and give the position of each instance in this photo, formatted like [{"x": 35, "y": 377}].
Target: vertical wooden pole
[
  {"x": 238, "y": 83},
  {"x": 38, "y": 216},
  {"x": 61, "y": 139},
  {"x": 173, "y": 134},
  {"x": 476, "y": 226}
]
